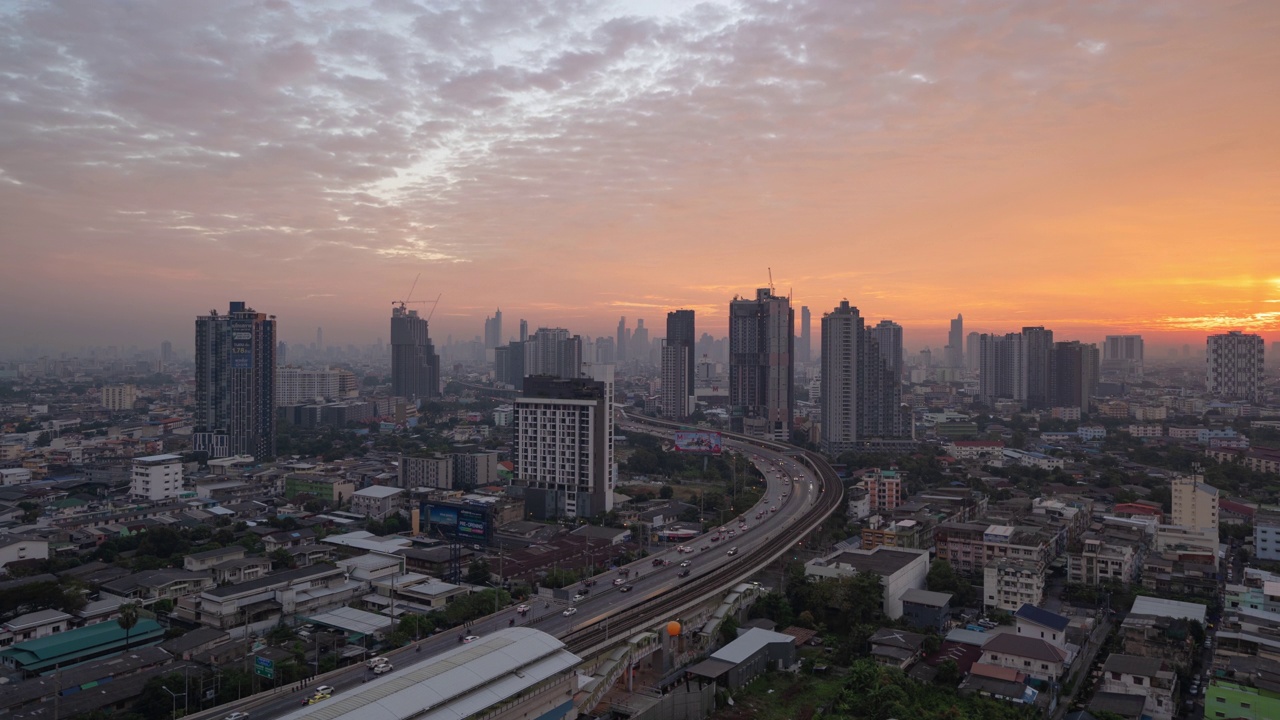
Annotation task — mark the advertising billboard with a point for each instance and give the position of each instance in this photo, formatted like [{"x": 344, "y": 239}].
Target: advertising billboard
[
  {"x": 437, "y": 515},
  {"x": 242, "y": 346},
  {"x": 698, "y": 442},
  {"x": 471, "y": 524}
]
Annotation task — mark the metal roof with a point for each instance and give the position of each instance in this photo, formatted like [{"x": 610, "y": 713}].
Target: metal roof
[
  {"x": 926, "y": 597},
  {"x": 1042, "y": 617},
  {"x": 456, "y": 684},
  {"x": 749, "y": 643},
  {"x": 1161, "y": 607}
]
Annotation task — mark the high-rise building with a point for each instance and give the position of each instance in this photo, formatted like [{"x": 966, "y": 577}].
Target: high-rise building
[
  {"x": 119, "y": 397},
  {"x": 860, "y": 395},
  {"x": 680, "y": 333},
  {"x": 1001, "y": 368},
  {"x": 415, "y": 366},
  {"x": 508, "y": 364},
  {"x": 282, "y": 352},
  {"x": 1195, "y": 504},
  {"x": 298, "y": 385},
  {"x": 524, "y": 330},
  {"x": 1122, "y": 357},
  {"x": 1038, "y": 357},
  {"x": 1275, "y": 354},
  {"x": 638, "y": 344},
  {"x": 621, "y": 340},
  {"x": 606, "y": 351},
  {"x": 761, "y": 365},
  {"x": 955, "y": 340},
  {"x": 674, "y": 400},
  {"x": 563, "y": 446},
  {"x": 552, "y": 351},
  {"x": 972, "y": 350},
  {"x": 319, "y": 339},
  {"x": 804, "y": 352},
  {"x": 888, "y": 335},
  {"x": 167, "y": 356},
  {"x": 1235, "y": 364},
  {"x": 1075, "y": 368},
  {"x": 493, "y": 330},
  {"x": 156, "y": 477},
  {"x": 235, "y": 383}
]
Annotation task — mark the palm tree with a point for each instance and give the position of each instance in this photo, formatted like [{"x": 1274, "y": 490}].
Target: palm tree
[{"x": 127, "y": 620}]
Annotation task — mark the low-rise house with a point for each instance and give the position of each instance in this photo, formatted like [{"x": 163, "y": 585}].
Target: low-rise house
[
  {"x": 35, "y": 657},
  {"x": 203, "y": 561},
  {"x": 1247, "y": 688},
  {"x": 149, "y": 586},
  {"x": 752, "y": 653},
  {"x": 1161, "y": 628},
  {"x": 285, "y": 539},
  {"x": 1033, "y": 622},
  {"x": 378, "y": 501},
  {"x": 926, "y": 610},
  {"x": 896, "y": 648},
  {"x": 1151, "y": 678},
  {"x": 240, "y": 570},
  {"x": 1010, "y": 584},
  {"x": 900, "y": 569},
  {"x": 304, "y": 555},
  {"x": 1038, "y": 658},
  {"x": 266, "y": 600},
  {"x": 31, "y": 626}
]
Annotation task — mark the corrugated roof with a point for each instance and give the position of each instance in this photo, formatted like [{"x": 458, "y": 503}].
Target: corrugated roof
[
  {"x": 1042, "y": 617},
  {"x": 749, "y": 643},
  {"x": 1023, "y": 646},
  {"x": 926, "y": 597},
  {"x": 45, "y": 651}
]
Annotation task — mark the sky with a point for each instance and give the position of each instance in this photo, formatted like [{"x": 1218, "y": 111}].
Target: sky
[{"x": 1093, "y": 167}]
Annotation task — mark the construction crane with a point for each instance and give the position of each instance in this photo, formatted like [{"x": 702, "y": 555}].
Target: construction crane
[
  {"x": 406, "y": 300},
  {"x": 434, "y": 304},
  {"x": 770, "y": 281}
]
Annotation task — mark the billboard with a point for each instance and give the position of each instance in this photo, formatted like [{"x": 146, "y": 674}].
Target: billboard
[
  {"x": 242, "y": 346},
  {"x": 471, "y": 524},
  {"x": 437, "y": 515},
  {"x": 698, "y": 442}
]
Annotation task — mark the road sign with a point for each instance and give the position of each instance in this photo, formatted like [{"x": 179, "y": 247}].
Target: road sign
[{"x": 265, "y": 668}]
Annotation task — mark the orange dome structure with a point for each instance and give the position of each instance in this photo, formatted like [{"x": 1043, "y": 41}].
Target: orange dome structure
[{"x": 673, "y": 628}]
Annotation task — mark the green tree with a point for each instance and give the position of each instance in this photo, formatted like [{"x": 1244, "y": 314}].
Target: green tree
[
  {"x": 728, "y": 629},
  {"x": 478, "y": 572},
  {"x": 128, "y": 620},
  {"x": 666, "y": 492},
  {"x": 948, "y": 673},
  {"x": 281, "y": 559}
]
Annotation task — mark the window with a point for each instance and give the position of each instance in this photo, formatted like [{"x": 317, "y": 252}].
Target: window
[{"x": 1137, "y": 681}]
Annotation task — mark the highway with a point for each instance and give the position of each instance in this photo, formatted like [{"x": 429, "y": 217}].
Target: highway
[{"x": 793, "y": 496}]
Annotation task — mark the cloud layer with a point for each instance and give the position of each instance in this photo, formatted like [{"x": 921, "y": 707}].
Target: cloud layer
[{"x": 1103, "y": 164}]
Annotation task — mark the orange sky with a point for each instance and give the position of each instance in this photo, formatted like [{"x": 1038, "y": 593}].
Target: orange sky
[{"x": 1091, "y": 167}]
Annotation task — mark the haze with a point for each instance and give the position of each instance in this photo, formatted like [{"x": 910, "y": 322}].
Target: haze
[{"x": 1092, "y": 167}]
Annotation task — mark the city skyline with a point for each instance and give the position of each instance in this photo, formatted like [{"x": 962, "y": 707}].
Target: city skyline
[{"x": 1014, "y": 163}]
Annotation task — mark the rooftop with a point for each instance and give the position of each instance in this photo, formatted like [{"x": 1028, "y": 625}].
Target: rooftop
[
  {"x": 1024, "y": 646},
  {"x": 926, "y": 597},
  {"x": 1042, "y": 617},
  {"x": 749, "y": 643},
  {"x": 1134, "y": 665},
  {"x": 267, "y": 581},
  {"x": 880, "y": 560},
  {"x": 1161, "y": 607},
  {"x": 378, "y": 491}
]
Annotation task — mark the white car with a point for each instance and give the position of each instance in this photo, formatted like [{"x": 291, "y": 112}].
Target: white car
[
  {"x": 470, "y": 639},
  {"x": 569, "y": 611},
  {"x": 578, "y": 597},
  {"x": 522, "y": 609},
  {"x": 619, "y": 581},
  {"x": 237, "y": 716},
  {"x": 325, "y": 690},
  {"x": 686, "y": 563},
  {"x": 385, "y": 667}
]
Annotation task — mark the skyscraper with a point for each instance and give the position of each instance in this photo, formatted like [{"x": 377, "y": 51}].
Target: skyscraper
[
  {"x": 508, "y": 364},
  {"x": 955, "y": 347},
  {"x": 1075, "y": 369},
  {"x": 319, "y": 340},
  {"x": 972, "y": 350},
  {"x": 1122, "y": 357},
  {"x": 555, "y": 353},
  {"x": 804, "y": 353},
  {"x": 677, "y": 364},
  {"x": 235, "y": 383},
  {"x": 861, "y": 393},
  {"x": 620, "y": 348},
  {"x": 167, "y": 356},
  {"x": 493, "y": 330},
  {"x": 761, "y": 365},
  {"x": 415, "y": 366},
  {"x": 1001, "y": 368},
  {"x": 562, "y": 450},
  {"x": 1235, "y": 364},
  {"x": 282, "y": 353},
  {"x": 638, "y": 343},
  {"x": 888, "y": 335},
  {"x": 524, "y": 330},
  {"x": 1038, "y": 358},
  {"x": 606, "y": 352}
]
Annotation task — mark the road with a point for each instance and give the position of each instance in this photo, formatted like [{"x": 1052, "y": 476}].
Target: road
[{"x": 784, "y": 476}]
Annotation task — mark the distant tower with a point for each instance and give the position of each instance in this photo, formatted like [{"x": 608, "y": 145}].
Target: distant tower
[
  {"x": 1235, "y": 363},
  {"x": 620, "y": 349},
  {"x": 493, "y": 330},
  {"x": 166, "y": 353},
  {"x": 638, "y": 345},
  {"x": 282, "y": 353},
  {"x": 415, "y": 366},
  {"x": 762, "y": 365},
  {"x": 1122, "y": 357},
  {"x": 1038, "y": 360},
  {"x": 972, "y": 349},
  {"x": 677, "y": 364},
  {"x": 524, "y": 330},
  {"x": 319, "y": 339},
  {"x": 804, "y": 353},
  {"x": 861, "y": 396},
  {"x": 955, "y": 343},
  {"x": 235, "y": 383},
  {"x": 888, "y": 335}
]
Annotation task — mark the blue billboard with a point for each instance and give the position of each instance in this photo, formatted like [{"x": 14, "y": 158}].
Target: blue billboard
[{"x": 437, "y": 515}]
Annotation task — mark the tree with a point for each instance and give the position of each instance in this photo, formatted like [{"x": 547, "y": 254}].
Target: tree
[
  {"x": 128, "y": 620},
  {"x": 478, "y": 572},
  {"x": 948, "y": 673},
  {"x": 281, "y": 559},
  {"x": 666, "y": 492},
  {"x": 728, "y": 629}
]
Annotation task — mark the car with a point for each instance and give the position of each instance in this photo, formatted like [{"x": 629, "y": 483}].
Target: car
[
  {"x": 686, "y": 563},
  {"x": 619, "y": 581},
  {"x": 733, "y": 551},
  {"x": 683, "y": 573},
  {"x": 237, "y": 716},
  {"x": 715, "y": 538},
  {"x": 328, "y": 689},
  {"x": 470, "y": 639},
  {"x": 373, "y": 663},
  {"x": 706, "y": 547},
  {"x": 784, "y": 496},
  {"x": 383, "y": 668},
  {"x": 316, "y": 698},
  {"x": 625, "y": 588},
  {"x": 522, "y": 609},
  {"x": 578, "y": 597},
  {"x": 569, "y": 611},
  {"x": 657, "y": 561},
  {"x": 732, "y": 533},
  {"x": 759, "y": 515},
  {"x": 773, "y": 509}
]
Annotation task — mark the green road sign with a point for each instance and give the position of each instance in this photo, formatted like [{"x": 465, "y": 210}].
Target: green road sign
[{"x": 265, "y": 668}]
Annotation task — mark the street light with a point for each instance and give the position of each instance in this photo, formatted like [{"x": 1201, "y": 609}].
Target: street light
[{"x": 175, "y": 699}]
